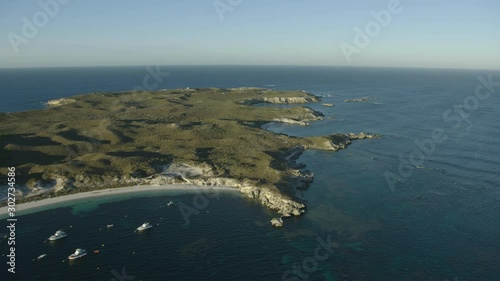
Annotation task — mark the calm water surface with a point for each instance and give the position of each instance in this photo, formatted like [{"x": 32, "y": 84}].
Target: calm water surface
[{"x": 439, "y": 223}]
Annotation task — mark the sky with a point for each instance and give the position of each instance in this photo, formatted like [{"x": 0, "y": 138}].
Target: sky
[{"x": 418, "y": 33}]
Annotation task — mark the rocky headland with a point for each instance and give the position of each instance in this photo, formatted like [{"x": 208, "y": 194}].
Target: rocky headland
[{"x": 204, "y": 137}]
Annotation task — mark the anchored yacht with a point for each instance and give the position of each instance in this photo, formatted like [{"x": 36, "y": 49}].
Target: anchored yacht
[
  {"x": 144, "y": 226},
  {"x": 77, "y": 254},
  {"x": 58, "y": 235}
]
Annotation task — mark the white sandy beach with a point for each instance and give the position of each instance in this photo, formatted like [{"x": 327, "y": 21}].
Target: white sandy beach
[{"x": 57, "y": 201}]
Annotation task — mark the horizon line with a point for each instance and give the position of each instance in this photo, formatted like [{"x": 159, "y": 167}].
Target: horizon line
[{"x": 253, "y": 65}]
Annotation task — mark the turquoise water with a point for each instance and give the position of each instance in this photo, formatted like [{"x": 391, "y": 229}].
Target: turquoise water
[{"x": 439, "y": 223}]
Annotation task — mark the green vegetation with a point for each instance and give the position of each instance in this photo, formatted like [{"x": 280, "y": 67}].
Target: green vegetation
[
  {"x": 99, "y": 140},
  {"x": 4, "y": 155}
]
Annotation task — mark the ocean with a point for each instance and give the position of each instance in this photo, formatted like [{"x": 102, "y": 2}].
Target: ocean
[{"x": 420, "y": 203}]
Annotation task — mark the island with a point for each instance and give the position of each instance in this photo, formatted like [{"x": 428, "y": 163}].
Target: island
[{"x": 201, "y": 137}]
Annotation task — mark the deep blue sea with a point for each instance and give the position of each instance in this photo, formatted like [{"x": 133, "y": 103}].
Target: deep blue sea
[{"x": 421, "y": 203}]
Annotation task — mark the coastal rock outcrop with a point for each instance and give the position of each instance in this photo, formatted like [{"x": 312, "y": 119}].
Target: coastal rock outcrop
[
  {"x": 291, "y": 121},
  {"x": 123, "y": 139},
  {"x": 273, "y": 200},
  {"x": 360, "y": 99},
  {"x": 336, "y": 141},
  {"x": 202, "y": 174},
  {"x": 289, "y": 100},
  {"x": 277, "y": 222},
  {"x": 360, "y": 136},
  {"x": 58, "y": 102},
  {"x": 308, "y": 115},
  {"x": 311, "y": 115},
  {"x": 282, "y": 100}
]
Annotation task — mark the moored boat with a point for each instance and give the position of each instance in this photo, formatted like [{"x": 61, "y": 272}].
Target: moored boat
[
  {"x": 144, "y": 226},
  {"x": 58, "y": 235},
  {"x": 77, "y": 254}
]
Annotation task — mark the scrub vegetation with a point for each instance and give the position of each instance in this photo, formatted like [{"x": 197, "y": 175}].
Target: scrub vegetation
[{"x": 108, "y": 137}]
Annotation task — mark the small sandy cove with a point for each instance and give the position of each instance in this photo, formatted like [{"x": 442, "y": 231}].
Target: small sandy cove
[{"x": 40, "y": 204}]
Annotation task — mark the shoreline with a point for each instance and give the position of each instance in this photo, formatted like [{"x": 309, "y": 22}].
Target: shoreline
[{"x": 40, "y": 204}]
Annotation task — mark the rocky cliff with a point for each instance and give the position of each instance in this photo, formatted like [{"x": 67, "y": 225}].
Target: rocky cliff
[{"x": 188, "y": 136}]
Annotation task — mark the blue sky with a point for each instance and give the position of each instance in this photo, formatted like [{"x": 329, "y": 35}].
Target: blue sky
[{"x": 447, "y": 34}]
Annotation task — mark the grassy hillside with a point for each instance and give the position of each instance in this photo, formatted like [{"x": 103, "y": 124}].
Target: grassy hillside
[{"x": 104, "y": 136}]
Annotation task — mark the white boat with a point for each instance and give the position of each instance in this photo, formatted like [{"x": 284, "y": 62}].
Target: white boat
[
  {"x": 77, "y": 254},
  {"x": 58, "y": 235},
  {"x": 170, "y": 203},
  {"x": 109, "y": 225},
  {"x": 41, "y": 256},
  {"x": 144, "y": 226}
]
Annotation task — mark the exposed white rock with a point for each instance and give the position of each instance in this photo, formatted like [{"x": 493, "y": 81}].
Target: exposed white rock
[
  {"x": 59, "y": 102},
  {"x": 282, "y": 100},
  {"x": 359, "y": 136},
  {"x": 273, "y": 200},
  {"x": 277, "y": 222},
  {"x": 291, "y": 121},
  {"x": 312, "y": 115},
  {"x": 289, "y": 100}
]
